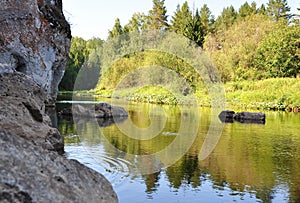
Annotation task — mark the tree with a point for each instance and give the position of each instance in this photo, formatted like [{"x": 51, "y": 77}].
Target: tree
[
  {"x": 181, "y": 18},
  {"x": 206, "y": 19},
  {"x": 296, "y": 18},
  {"x": 278, "y": 9},
  {"x": 233, "y": 51},
  {"x": 262, "y": 10},
  {"x": 158, "y": 20},
  {"x": 194, "y": 30},
  {"x": 84, "y": 56},
  {"x": 253, "y": 7},
  {"x": 77, "y": 56},
  {"x": 117, "y": 30},
  {"x": 137, "y": 23},
  {"x": 245, "y": 10},
  {"x": 278, "y": 55},
  {"x": 226, "y": 19}
]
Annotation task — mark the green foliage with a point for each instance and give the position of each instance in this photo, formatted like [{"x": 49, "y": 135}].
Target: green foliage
[
  {"x": 207, "y": 20},
  {"x": 194, "y": 30},
  {"x": 79, "y": 55},
  {"x": 262, "y": 10},
  {"x": 158, "y": 20},
  {"x": 272, "y": 94},
  {"x": 247, "y": 10},
  {"x": 234, "y": 57},
  {"x": 137, "y": 23},
  {"x": 278, "y": 9},
  {"x": 278, "y": 55},
  {"x": 148, "y": 58},
  {"x": 226, "y": 19},
  {"x": 181, "y": 18},
  {"x": 251, "y": 43},
  {"x": 117, "y": 30}
]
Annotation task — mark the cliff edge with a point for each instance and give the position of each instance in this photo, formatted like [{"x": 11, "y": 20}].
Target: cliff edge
[
  {"x": 35, "y": 40},
  {"x": 34, "y": 43}
]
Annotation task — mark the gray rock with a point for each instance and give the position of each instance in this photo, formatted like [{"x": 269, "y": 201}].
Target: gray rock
[
  {"x": 30, "y": 173},
  {"x": 226, "y": 116},
  {"x": 100, "y": 110},
  {"x": 22, "y": 112},
  {"x": 242, "y": 117},
  {"x": 34, "y": 40},
  {"x": 30, "y": 168},
  {"x": 250, "y": 117}
]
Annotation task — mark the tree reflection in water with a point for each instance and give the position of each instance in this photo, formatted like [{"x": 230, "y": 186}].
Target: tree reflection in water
[{"x": 261, "y": 161}]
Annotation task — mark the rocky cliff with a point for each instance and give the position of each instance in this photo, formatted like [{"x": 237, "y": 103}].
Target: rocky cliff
[
  {"x": 31, "y": 168},
  {"x": 34, "y": 40}
]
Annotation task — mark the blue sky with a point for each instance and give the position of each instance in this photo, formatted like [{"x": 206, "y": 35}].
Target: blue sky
[{"x": 93, "y": 18}]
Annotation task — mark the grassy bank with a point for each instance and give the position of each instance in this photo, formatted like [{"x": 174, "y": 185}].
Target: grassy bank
[{"x": 269, "y": 94}]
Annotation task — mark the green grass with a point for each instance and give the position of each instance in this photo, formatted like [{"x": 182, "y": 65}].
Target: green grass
[
  {"x": 268, "y": 94},
  {"x": 271, "y": 94}
]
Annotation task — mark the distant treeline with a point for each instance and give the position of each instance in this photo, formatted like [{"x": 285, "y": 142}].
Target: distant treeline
[{"x": 252, "y": 43}]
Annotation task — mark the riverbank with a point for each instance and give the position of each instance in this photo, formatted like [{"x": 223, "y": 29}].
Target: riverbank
[{"x": 269, "y": 94}]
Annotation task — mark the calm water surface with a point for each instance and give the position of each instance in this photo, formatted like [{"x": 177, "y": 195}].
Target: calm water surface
[{"x": 250, "y": 163}]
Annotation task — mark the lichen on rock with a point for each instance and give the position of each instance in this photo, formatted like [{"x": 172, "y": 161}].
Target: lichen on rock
[{"x": 35, "y": 40}]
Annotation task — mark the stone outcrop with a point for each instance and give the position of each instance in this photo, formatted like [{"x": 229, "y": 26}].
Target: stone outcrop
[
  {"x": 242, "y": 117},
  {"x": 34, "y": 43},
  {"x": 32, "y": 174},
  {"x": 100, "y": 110},
  {"x": 34, "y": 40},
  {"x": 22, "y": 112},
  {"x": 31, "y": 169}
]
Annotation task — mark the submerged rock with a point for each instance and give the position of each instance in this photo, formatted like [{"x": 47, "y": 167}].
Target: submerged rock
[
  {"x": 249, "y": 117},
  {"x": 100, "y": 110},
  {"x": 242, "y": 117},
  {"x": 35, "y": 40},
  {"x": 226, "y": 116}
]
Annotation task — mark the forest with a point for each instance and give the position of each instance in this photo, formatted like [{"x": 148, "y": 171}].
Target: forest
[{"x": 255, "y": 49}]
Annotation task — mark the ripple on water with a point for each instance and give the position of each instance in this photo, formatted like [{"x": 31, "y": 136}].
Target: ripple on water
[{"x": 116, "y": 169}]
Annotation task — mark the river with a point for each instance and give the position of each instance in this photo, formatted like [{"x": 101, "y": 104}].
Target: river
[{"x": 155, "y": 155}]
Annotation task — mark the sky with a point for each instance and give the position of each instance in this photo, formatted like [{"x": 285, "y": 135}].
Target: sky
[{"x": 94, "y": 18}]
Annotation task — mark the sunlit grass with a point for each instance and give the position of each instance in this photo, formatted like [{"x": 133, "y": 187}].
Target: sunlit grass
[{"x": 269, "y": 94}]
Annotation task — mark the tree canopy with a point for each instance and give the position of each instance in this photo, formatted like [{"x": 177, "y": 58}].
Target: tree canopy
[
  {"x": 158, "y": 20},
  {"x": 248, "y": 43}
]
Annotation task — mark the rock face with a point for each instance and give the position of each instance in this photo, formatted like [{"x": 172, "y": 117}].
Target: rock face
[
  {"x": 31, "y": 169},
  {"x": 34, "y": 40},
  {"x": 34, "y": 43},
  {"x": 22, "y": 112}
]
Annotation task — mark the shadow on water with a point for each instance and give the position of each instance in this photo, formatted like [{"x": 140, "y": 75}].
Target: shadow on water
[{"x": 251, "y": 163}]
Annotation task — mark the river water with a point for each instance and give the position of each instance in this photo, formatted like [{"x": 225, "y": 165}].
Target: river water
[{"x": 156, "y": 155}]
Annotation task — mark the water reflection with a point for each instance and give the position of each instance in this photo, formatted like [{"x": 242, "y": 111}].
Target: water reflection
[{"x": 250, "y": 163}]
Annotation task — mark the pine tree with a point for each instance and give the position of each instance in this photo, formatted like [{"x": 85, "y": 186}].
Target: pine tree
[
  {"x": 117, "y": 30},
  {"x": 206, "y": 19},
  {"x": 226, "y": 19},
  {"x": 181, "y": 18},
  {"x": 194, "y": 30},
  {"x": 158, "y": 20},
  {"x": 278, "y": 9},
  {"x": 262, "y": 10},
  {"x": 137, "y": 23},
  {"x": 253, "y": 7},
  {"x": 245, "y": 10}
]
